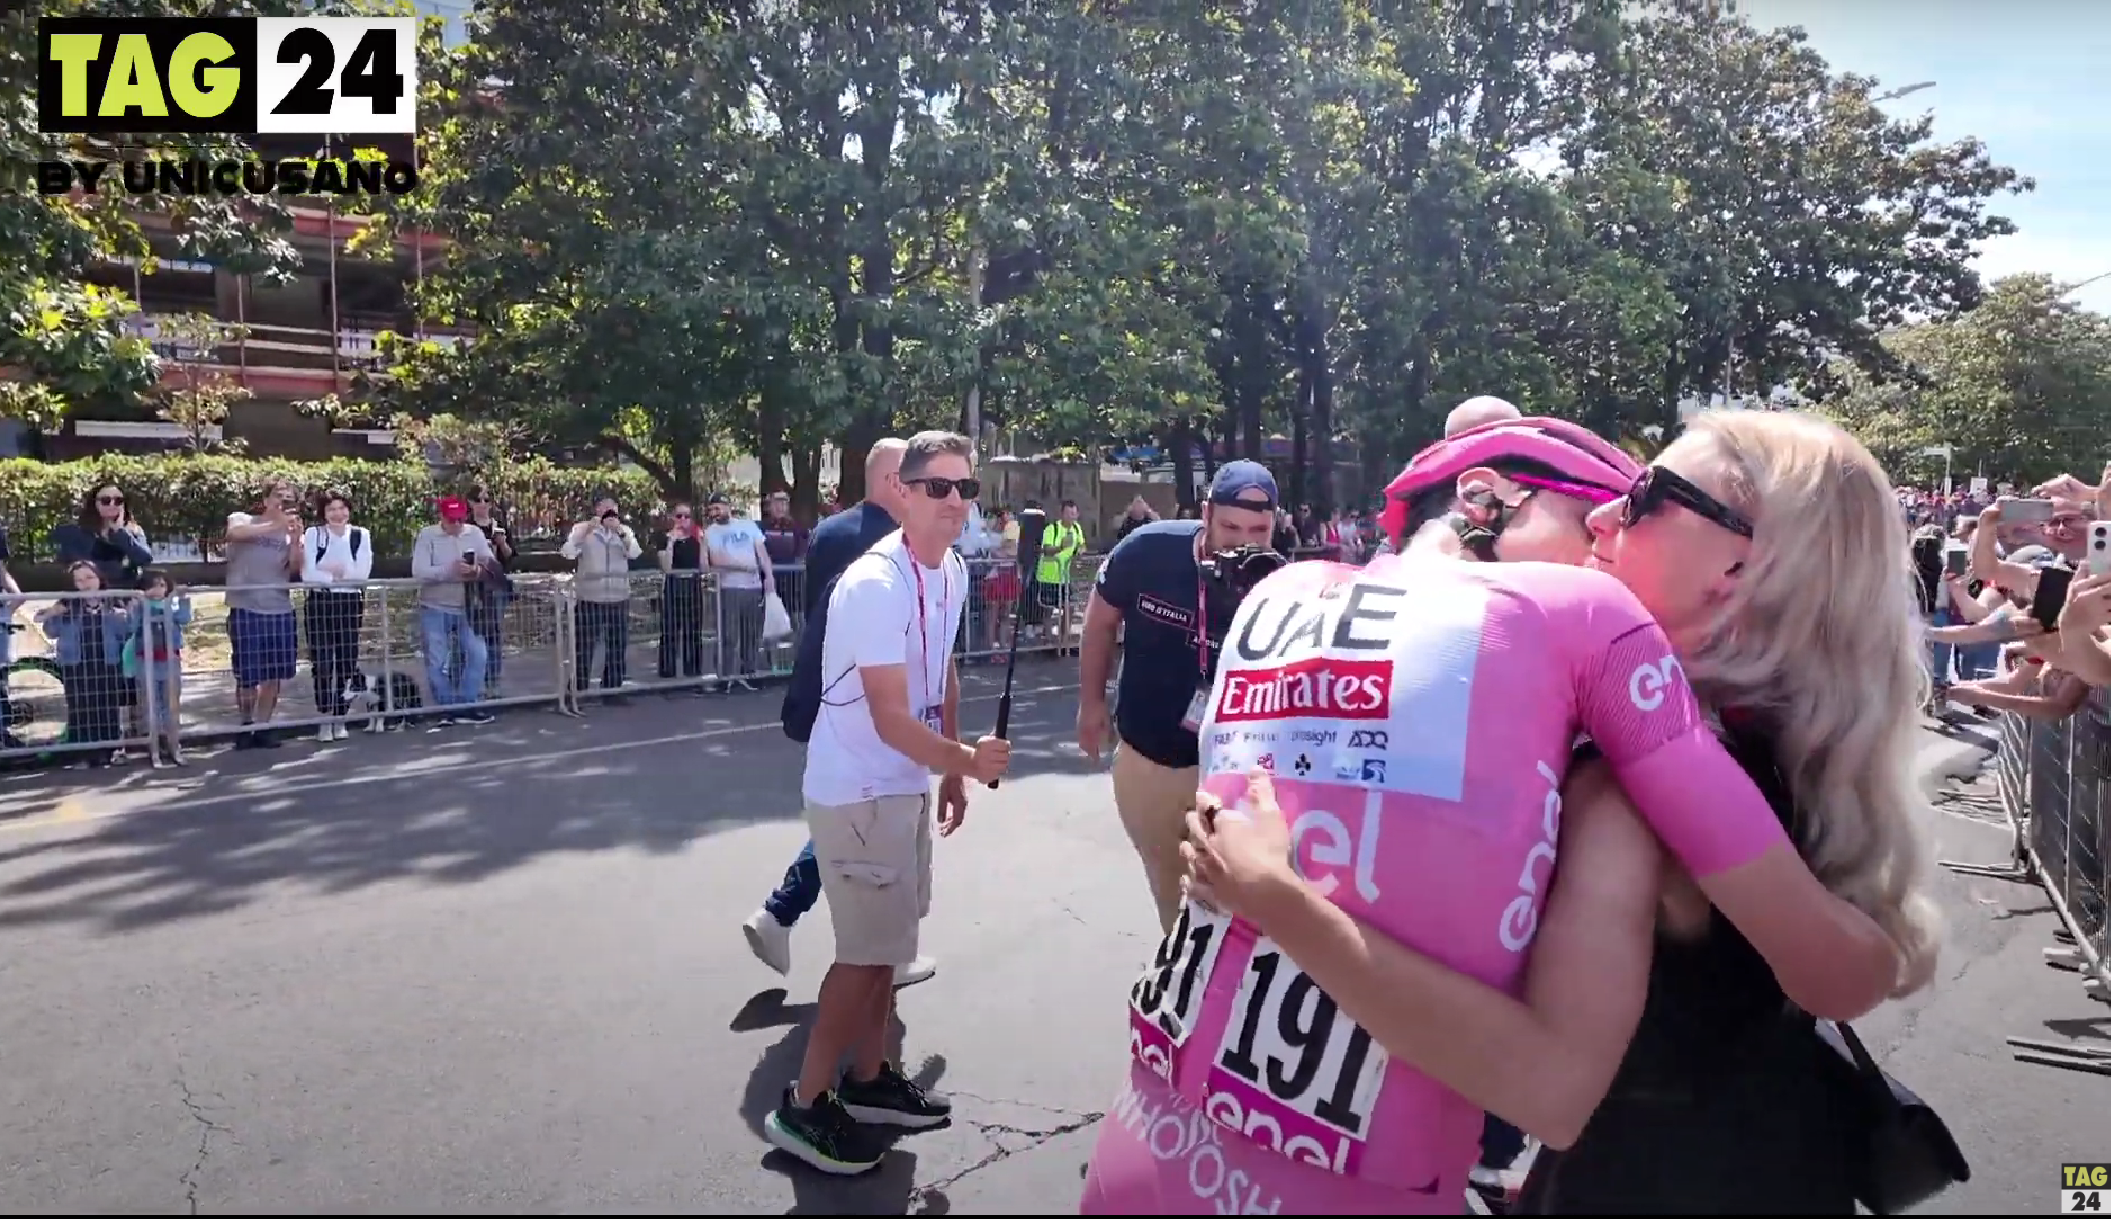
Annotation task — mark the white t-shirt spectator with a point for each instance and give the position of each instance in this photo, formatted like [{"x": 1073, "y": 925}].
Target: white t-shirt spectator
[
  {"x": 353, "y": 550},
  {"x": 874, "y": 619},
  {"x": 733, "y": 546}
]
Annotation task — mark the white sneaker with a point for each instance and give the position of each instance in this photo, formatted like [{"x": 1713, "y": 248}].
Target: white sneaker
[
  {"x": 769, "y": 940},
  {"x": 324, "y": 734},
  {"x": 919, "y": 970}
]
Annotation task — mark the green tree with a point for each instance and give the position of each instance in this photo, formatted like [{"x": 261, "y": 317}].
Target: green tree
[
  {"x": 2019, "y": 387},
  {"x": 1793, "y": 222}
]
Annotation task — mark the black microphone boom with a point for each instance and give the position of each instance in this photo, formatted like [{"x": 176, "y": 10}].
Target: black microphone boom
[{"x": 1032, "y": 524}]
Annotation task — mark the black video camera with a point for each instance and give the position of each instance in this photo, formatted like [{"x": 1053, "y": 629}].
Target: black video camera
[{"x": 1237, "y": 570}]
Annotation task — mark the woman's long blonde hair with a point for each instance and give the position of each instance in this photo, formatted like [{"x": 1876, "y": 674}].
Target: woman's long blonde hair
[{"x": 1822, "y": 635}]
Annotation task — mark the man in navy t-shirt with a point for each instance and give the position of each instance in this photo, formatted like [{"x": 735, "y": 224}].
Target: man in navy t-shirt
[
  {"x": 1151, "y": 593},
  {"x": 831, "y": 548}
]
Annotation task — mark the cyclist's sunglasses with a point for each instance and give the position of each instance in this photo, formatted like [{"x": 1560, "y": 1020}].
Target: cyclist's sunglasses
[
  {"x": 1658, "y": 486},
  {"x": 939, "y": 488},
  {"x": 1583, "y": 491}
]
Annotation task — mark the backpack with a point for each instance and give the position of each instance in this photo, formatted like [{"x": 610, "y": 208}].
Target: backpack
[
  {"x": 803, "y": 694},
  {"x": 322, "y": 542}
]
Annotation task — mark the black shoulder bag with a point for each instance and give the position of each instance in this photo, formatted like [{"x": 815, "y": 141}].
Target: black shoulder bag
[{"x": 1909, "y": 1155}]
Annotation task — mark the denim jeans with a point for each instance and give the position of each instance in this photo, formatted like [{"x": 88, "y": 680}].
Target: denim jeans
[
  {"x": 444, "y": 632},
  {"x": 798, "y": 891}
]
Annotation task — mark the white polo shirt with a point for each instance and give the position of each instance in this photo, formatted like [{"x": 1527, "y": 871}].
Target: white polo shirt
[{"x": 875, "y": 618}]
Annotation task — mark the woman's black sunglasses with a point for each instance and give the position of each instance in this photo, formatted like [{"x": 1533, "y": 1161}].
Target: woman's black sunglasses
[
  {"x": 1658, "y": 486},
  {"x": 939, "y": 488}
]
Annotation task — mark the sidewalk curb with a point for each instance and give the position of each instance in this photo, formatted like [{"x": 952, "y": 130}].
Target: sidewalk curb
[{"x": 1956, "y": 754}]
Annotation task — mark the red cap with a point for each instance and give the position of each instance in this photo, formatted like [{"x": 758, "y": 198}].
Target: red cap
[{"x": 453, "y": 509}]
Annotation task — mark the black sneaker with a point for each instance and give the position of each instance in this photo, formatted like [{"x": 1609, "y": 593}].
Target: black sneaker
[
  {"x": 474, "y": 717},
  {"x": 823, "y": 1135},
  {"x": 893, "y": 1099}
]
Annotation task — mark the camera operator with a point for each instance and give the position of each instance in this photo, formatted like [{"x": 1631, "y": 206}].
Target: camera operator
[{"x": 1155, "y": 586}]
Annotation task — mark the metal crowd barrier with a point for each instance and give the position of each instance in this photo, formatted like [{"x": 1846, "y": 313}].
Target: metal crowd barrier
[
  {"x": 67, "y": 690},
  {"x": 2054, "y": 779},
  {"x": 367, "y": 656}
]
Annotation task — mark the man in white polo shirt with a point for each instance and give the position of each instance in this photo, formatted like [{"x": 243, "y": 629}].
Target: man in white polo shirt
[{"x": 889, "y": 719}]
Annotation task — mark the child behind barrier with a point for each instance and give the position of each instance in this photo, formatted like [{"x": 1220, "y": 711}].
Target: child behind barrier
[
  {"x": 88, "y": 633},
  {"x": 157, "y": 630}
]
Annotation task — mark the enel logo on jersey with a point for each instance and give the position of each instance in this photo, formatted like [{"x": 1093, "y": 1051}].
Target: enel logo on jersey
[{"x": 1649, "y": 683}]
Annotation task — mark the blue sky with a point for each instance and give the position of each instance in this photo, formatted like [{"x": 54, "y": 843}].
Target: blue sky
[{"x": 2031, "y": 78}]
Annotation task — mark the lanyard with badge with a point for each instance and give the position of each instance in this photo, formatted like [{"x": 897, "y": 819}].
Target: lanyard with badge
[
  {"x": 1198, "y": 705},
  {"x": 932, "y": 712}
]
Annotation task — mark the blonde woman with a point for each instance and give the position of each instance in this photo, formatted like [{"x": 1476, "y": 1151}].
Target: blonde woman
[{"x": 1649, "y": 1043}]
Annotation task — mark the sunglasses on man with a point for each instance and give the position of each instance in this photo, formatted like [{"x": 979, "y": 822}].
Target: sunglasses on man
[{"x": 940, "y": 488}]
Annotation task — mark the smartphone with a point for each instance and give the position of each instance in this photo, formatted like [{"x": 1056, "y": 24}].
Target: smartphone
[
  {"x": 2099, "y": 560},
  {"x": 1956, "y": 560},
  {"x": 2024, "y": 509},
  {"x": 2051, "y": 595}
]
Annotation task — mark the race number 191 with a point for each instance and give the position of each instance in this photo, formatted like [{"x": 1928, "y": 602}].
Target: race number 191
[{"x": 337, "y": 76}]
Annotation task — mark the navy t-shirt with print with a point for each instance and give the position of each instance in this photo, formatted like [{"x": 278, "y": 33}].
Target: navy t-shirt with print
[{"x": 1150, "y": 577}]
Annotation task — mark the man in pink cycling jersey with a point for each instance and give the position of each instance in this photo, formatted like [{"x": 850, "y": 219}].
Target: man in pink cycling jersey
[{"x": 1418, "y": 717}]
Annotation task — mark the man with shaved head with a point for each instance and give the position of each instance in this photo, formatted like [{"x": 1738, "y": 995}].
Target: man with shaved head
[
  {"x": 1474, "y": 412},
  {"x": 833, "y": 546}
]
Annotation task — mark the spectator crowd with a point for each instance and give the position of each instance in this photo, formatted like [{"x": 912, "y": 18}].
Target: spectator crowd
[{"x": 298, "y": 590}]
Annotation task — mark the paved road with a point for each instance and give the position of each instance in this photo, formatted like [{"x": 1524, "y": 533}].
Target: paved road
[{"x": 499, "y": 970}]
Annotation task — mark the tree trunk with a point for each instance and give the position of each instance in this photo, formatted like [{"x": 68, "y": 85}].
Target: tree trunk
[
  {"x": 806, "y": 482},
  {"x": 875, "y": 244},
  {"x": 1183, "y": 443},
  {"x": 769, "y": 440},
  {"x": 681, "y": 458},
  {"x": 1297, "y": 453}
]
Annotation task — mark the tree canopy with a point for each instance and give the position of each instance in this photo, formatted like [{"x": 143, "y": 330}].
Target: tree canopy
[
  {"x": 774, "y": 224},
  {"x": 2018, "y": 388}
]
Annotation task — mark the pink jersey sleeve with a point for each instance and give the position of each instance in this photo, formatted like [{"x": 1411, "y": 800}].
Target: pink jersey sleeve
[{"x": 1633, "y": 700}]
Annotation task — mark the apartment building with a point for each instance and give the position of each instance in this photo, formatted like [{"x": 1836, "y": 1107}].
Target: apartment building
[{"x": 285, "y": 343}]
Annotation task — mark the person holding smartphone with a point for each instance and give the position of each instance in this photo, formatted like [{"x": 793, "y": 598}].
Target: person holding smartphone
[
  {"x": 682, "y": 557},
  {"x": 264, "y": 558},
  {"x": 446, "y": 560},
  {"x": 603, "y": 547},
  {"x": 489, "y": 597}
]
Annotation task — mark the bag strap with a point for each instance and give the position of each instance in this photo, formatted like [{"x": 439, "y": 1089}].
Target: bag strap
[{"x": 1863, "y": 1060}]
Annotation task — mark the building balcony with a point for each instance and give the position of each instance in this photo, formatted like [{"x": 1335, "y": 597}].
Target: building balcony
[{"x": 286, "y": 363}]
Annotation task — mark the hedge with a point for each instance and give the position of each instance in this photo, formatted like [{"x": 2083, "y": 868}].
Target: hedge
[{"x": 189, "y": 496}]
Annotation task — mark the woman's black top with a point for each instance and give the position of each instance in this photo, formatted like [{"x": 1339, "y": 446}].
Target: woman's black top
[
  {"x": 1721, "y": 1105},
  {"x": 118, "y": 556},
  {"x": 685, "y": 554}
]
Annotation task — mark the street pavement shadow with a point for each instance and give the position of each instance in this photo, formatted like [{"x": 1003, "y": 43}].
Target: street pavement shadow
[
  {"x": 2092, "y": 1028},
  {"x": 888, "y": 1190},
  {"x": 450, "y": 806}
]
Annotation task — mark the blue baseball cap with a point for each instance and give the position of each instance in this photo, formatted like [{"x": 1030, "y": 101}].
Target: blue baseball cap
[{"x": 1236, "y": 478}]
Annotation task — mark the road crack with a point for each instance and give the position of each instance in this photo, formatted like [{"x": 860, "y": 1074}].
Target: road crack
[
  {"x": 1075, "y": 1121},
  {"x": 207, "y": 1128}
]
